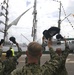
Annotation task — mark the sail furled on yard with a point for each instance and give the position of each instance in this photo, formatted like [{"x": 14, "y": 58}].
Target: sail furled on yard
[{"x": 17, "y": 19}]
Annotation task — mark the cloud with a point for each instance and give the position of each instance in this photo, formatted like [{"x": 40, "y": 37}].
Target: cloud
[{"x": 70, "y": 7}]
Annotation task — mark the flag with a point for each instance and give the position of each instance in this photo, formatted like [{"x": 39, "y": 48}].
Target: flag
[{"x": 17, "y": 19}]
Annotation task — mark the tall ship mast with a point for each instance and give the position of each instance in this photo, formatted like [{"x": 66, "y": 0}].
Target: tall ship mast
[
  {"x": 59, "y": 21},
  {"x": 34, "y": 28},
  {"x": 4, "y": 6}
]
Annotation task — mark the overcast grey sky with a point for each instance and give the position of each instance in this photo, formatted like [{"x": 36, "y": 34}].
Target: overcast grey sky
[{"x": 47, "y": 16}]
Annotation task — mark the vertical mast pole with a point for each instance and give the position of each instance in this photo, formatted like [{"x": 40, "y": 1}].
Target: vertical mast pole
[
  {"x": 6, "y": 20},
  {"x": 59, "y": 21},
  {"x": 34, "y": 28}
]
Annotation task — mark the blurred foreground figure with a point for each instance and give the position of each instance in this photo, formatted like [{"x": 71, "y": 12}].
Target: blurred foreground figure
[
  {"x": 62, "y": 70},
  {"x": 34, "y": 53},
  {"x": 1, "y": 64},
  {"x": 1, "y": 45},
  {"x": 10, "y": 61}
]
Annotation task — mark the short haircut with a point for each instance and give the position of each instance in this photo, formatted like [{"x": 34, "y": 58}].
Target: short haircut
[{"x": 34, "y": 48}]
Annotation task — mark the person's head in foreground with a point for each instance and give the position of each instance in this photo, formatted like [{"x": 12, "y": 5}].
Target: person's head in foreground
[
  {"x": 59, "y": 51},
  {"x": 34, "y": 52}
]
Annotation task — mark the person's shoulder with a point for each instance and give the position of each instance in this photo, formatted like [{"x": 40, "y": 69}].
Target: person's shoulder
[{"x": 17, "y": 71}]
